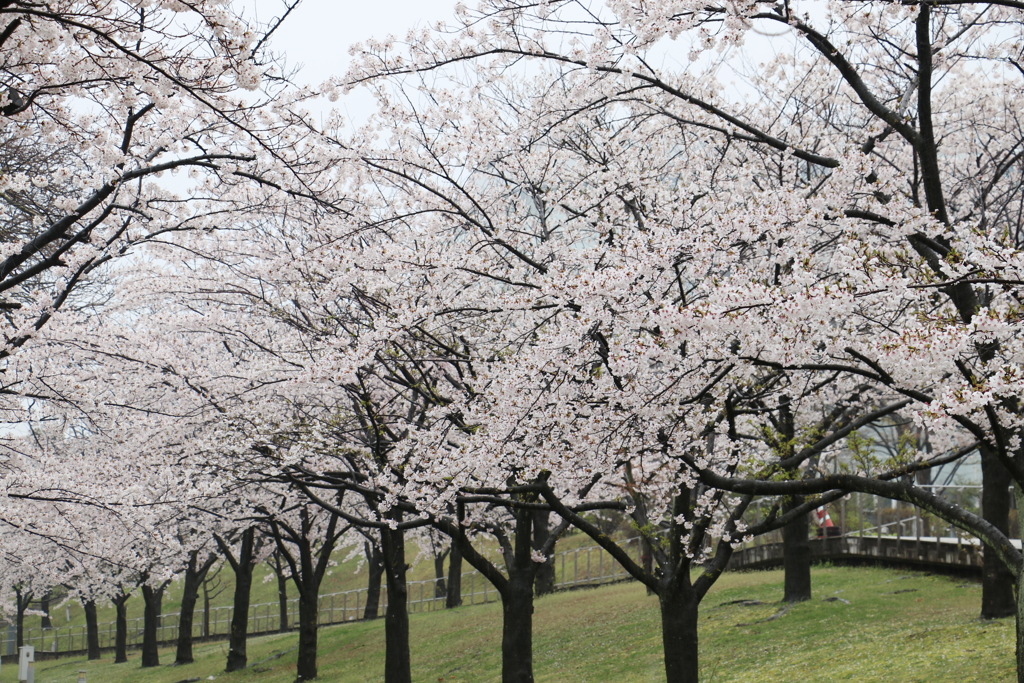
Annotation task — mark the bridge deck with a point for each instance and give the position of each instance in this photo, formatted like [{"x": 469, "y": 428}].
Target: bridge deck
[{"x": 944, "y": 552}]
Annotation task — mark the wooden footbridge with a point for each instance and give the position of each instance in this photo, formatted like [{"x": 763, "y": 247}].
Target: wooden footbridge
[
  {"x": 871, "y": 530},
  {"x": 937, "y": 553}
]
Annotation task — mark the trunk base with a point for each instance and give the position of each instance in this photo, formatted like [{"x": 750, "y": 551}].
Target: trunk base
[{"x": 679, "y": 639}]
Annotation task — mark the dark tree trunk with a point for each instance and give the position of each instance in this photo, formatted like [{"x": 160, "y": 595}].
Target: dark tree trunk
[
  {"x": 517, "y": 630},
  {"x": 796, "y": 546},
  {"x": 44, "y": 607},
  {"x": 646, "y": 560},
  {"x": 153, "y": 599},
  {"x": 282, "y": 594},
  {"x": 679, "y": 633},
  {"x": 19, "y": 628},
  {"x": 440, "y": 589},
  {"x": 397, "y": 665},
  {"x": 19, "y": 620},
  {"x": 121, "y": 632},
  {"x": 183, "y": 655},
  {"x": 516, "y": 592},
  {"x": 206, "y": 614},
  {"x": 206, "y": 607},
  {"x": 92, "y": 629},
  {"x": 195, "y": 572},
  {"x": 308, "y": 567},
  {"x": 305, "y": 666},
  {"x": 997, "y": 599},
  {"x": 1019, "y": 600},
  {"x": 242, "y": 566},
  {"x": 454, "y": 597},
  {"x": 796, "y": 555},
  {"x": 375, "y": 564},
  {"x": 517, "y": 597},
  {"x": 544, "y": 582}
]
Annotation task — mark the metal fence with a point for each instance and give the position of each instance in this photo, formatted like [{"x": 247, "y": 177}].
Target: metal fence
[{"x": 578, "y": 567}]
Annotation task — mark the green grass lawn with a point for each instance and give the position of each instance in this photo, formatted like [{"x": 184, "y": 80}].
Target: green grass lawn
[{"x": 898, "y": 627}]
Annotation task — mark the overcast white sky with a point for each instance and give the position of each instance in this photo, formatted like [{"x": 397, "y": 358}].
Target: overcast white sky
[{"x": 319, "y": 32}]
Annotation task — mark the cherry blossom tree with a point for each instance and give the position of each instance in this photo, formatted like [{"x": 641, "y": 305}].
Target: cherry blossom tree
[
  {"x": 600, "y": 283},
  {"x": 834, "y": 240},
  {"x": 101, "y": 103}
]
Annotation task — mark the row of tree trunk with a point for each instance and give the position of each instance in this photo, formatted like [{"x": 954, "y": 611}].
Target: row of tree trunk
[
  {"x": 386, "y": 560},
  {"x": 241, "y": 561}
]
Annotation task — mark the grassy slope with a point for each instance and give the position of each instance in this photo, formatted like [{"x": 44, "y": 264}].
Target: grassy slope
[{"x": 926, "y": 632}]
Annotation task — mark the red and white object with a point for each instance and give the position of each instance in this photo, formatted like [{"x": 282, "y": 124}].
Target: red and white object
[{"x": 824, "y": 521}]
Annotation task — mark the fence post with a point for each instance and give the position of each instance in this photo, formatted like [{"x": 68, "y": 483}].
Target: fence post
[
  {"x": 843, "y": 544},
  {"x": 960, "y": 503},
  {"x": 917, "y": 528},
  {"x": 878, "y": 525},
  {"x": 860, "y": 513},
  {"x": 899, "y": 525}
]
